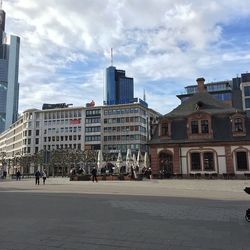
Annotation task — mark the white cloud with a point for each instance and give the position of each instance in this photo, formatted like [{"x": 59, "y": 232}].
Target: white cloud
[{"x": 159, "y": 42}]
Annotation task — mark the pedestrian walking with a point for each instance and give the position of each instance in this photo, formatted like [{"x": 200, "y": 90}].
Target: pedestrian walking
[
  {"x": 94, "y": 174},
  {"x": 150, "y": 173},
  {"x": 37, "y": 175},
  {"x": 18, "y": 175},
  {"x": 4, "y": 174},
  {"x": 132, "y": 173},
  {"x": 44, "y": 176}
]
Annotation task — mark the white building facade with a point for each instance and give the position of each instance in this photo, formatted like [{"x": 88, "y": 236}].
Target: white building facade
[{"x": 111, "y": 129}]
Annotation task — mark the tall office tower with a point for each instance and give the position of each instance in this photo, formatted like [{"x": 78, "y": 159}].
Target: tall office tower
[
  {"x": 9, "y": 66},
  {"x": 119, "y": 88}
]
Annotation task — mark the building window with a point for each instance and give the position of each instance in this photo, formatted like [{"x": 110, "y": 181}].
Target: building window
[
  {"x": 241, "y": 161},
  {"x": 247, "y": 102},
  {"x": 195, "y": 161},
  {"x": 208, "y": 161},
  {"x": 164, "y": 129},
  {"x": 194, "y": 127},
  {"x": 238, "y": 125},
  {"x": 247, "y": 91},
  {"x": 204, "y": 126}
]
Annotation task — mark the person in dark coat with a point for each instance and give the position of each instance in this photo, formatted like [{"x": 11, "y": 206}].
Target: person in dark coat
[
  {"x": 18, "y": 175},
  {"x": 132, "y": 173},
  {"x": 94, "y": 174},
  {"x": 37, "y": 175},
  {"x": 4, "y": 174}
]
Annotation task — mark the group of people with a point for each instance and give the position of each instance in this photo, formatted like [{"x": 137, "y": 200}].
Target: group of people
[{"x": 39, "y": 174}]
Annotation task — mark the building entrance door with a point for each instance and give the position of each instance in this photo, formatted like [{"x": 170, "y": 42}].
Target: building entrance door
[{"x": 166, "y": 164}]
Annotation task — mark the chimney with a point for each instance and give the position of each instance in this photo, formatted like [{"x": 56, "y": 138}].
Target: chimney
[{"x": 201, "y": 87}]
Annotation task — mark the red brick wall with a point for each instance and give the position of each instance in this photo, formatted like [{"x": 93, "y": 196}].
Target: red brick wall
[
  {"x": 229, "y": 160},
  {"x": 154, "y": 160},
  {"x": 176, "y": 160}
]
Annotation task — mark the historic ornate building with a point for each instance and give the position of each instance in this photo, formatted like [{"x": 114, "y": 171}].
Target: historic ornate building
[{"x": 201, "y": 137}]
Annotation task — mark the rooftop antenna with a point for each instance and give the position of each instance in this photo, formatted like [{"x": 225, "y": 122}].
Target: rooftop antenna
[
  {"x": 144, "y": 95},
  {"x": 111, "y": 56}
]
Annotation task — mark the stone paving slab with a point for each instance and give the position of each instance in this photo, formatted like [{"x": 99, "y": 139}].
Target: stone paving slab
[
  {"x": 207, "y": 189},
  {"x": 42, "y": 220}
]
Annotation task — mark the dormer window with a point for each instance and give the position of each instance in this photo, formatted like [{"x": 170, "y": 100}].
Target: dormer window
[
  {"x": 194, "y": 127},
  {"x": 199, "y": 126},
  {"x": 165, "y": 128},
  {"x": 238, "y": 125},
  {"x": 204, "y": 126}
]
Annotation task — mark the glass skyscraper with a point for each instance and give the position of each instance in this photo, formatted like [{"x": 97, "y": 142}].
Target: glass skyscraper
[
  {"x": 119, "y": 88},
  {"x": 9, "y": 67}
]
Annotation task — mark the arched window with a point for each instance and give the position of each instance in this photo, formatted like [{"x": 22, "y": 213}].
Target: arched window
[
  {"x": 202, "y": 161},
  {"x": 241, "y": 160}
]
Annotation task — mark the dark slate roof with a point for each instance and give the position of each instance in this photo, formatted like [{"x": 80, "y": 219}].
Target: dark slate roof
[
  {"x": 220, "y": 114},
  {"x": 222, "y": 132},
  {"x": 206, "y": 102}
]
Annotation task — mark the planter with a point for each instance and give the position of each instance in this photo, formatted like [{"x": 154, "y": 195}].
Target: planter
[{"x": 80, "y": 178}]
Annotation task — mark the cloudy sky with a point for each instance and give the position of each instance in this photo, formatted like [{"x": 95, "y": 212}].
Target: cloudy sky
[{"x": 163, "y": 44}]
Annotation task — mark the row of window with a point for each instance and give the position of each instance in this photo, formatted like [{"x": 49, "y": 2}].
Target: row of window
[
  {"x": 62, "y": 138},
  {"x": 124, "y": 120},
  {"x": 123, "y": 147},
  {"x": 62, "y": 114},
  {"x": 124, "y": 111},
  {"x": 54, "y": 138},
  {"x": 93, "y": 112},
  {"x": 93, "y": 120},
  {"x": 93, "y": 138},
  {"x": 63, "y": 130},
  {"x": 52, "y": 147},
  {"x": 124, "y": 129},
  {"x": 204, "y": 161},
  {"x": 29, "y": 132},
  {"x": 92, "y": 129},
  {"x": 125, "y": 138},
  {"x": 202, "y": 126},
  {"x": 61, "y": 146},
  {"x": 62, "y": 122}
]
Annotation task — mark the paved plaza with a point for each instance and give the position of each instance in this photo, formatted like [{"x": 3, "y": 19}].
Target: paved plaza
[{"x": 152, "y": 214}]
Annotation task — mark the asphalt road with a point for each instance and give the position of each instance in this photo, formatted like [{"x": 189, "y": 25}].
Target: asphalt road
[{"x": 33, "y": 221}]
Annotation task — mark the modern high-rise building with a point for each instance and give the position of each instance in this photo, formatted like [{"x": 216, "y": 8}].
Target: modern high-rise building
[
  {"x": 9, "y": 67},
  {"x": 229, "y": 92},
  {"x": 245, "y": 91},
  {"x": 119, "y": 87}
]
